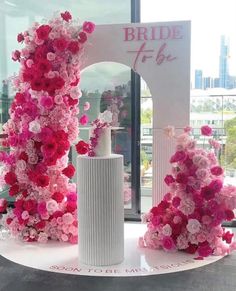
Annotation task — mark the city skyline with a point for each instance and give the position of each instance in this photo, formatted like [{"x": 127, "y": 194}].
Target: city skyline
[
  {"x": 209, "y": 20},
  {"x": 224, "y": 79}
]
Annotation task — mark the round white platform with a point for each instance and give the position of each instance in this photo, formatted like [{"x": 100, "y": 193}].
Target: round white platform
[{"x": 63, "y": 258}]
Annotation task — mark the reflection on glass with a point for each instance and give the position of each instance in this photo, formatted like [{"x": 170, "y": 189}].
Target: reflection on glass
[
  {"x": 218, "y": 111},
  {"x": 146, "y": 147},
  {"x": 16, "y": 16},
  {"x": 107, "y": 86}
]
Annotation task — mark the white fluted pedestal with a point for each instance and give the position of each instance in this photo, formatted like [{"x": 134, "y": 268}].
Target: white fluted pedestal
[{"x": 101, "y": 210}]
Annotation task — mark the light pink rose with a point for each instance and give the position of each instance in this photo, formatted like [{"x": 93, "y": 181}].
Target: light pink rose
[
  {"x": 177, "y": 219},
  {"x": 193, "y": 226},
  {"x": 51, "y": 56},
  {"x": 182, "y": 242},
  {"x": 167, "y": 230},
  {"x": 25, "y": 215},
  {"x": 201, "y": 237},
  {"x": 64, "y": 237},
  {"x": 67, "y": 218},
  {"x": 42, "y": 237},
  {"x": 202, "y": 174},
  {"x": 86, "y": 106},
  {"x": 51, "y": 206},
  {"x": 187, "y": 206}
]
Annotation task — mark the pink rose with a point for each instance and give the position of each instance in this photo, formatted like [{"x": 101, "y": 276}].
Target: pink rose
[
  {"x": 25, "y": 215},
  {"x": 182, "y": 242},
  {"x": 41, "y": 208},
  {"x": 178, "y": 156},
  {"x": 83, "y": 119},
  {"x": 187, "y": 206},
  {"x": 73, "y": 239},
  {"x": 201, "y": 237},
  {"x": 51, "y": 205},
  {"x": 215, "y": 144},
  {"x": 43, "y": 237},
  {"x": 206, "y": 219},
  {"x": 169, "y": 179},
  {"x": 168, "y": 243},
  {"x": 202, "y": 174},
  {"x": 206, "y": 130},
  {"x": 193, "y": 226},
  {"x": 88, "y": 26},
  {"x": 188, "y": 129},
  {"x": 166, "y": 230},
  {"x": 67, "y": 218},
  {"x": 177, "y": 219},
  {"x": 205, "y": 250},
  {"x": 217, "y": 171},
  {"x": 86, "y": 106},
  {"x": 51, "y": 56},
  {"x": 46, "y": 102},
  {"x": 64, "y": 237},
  {"x": 176, "y": 201},
  {"x": 216, "y": 185}
]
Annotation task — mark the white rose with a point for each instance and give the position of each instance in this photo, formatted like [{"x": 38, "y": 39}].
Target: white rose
[{"x": 34, "y": 126}]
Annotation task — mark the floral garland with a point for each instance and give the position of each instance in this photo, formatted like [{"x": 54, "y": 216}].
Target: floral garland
[
  {"x": 189, "y": 217},
  {"x": 103, "y": 121},
  {"x": 43, "y": 125}
]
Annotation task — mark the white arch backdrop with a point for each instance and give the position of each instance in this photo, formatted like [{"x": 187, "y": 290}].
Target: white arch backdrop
[{"x": 160, "y": 54}]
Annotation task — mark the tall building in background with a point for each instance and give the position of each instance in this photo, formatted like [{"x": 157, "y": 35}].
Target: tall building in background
[
  {"x": 208, "y": 82},
  {"x": 224, "y": 66},
  {"x": 198, "y": 79}
]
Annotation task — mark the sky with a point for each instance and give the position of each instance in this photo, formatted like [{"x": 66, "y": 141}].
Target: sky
[{"x": 209, "y": 20}]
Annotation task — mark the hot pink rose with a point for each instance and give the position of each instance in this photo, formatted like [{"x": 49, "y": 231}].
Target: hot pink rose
[
  {"x": 46, "y": 102},
  {"x": 88, "y": 26},
  {"x": 216, "y": 185},
  {"x": 169, "y": 179},
  {"x": 217, "y": 171},
  {"x": 178, "y": 156},
  {"x": 83, "y": 119},
  {"x": 206, "y": 130},
  {"x": 205, "y": 250},
  {"x": 168, "y": 243}
]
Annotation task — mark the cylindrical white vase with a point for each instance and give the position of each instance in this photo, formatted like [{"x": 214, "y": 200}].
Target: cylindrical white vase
[{"x": 101, "y": 210}]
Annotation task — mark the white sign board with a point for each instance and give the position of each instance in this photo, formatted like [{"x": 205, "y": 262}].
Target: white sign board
[{"x": 160, "y": 54}]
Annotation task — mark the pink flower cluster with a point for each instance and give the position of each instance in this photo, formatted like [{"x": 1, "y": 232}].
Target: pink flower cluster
[
  {"x": 189, "y": 217},
  {"x": 98, "y": 125},
  {"x": 43, "y": 125}
]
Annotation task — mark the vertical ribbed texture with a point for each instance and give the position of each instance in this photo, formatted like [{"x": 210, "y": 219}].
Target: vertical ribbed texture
[
  {"x": 101, "y": 210},
  {"x": 163, "y": 149}
]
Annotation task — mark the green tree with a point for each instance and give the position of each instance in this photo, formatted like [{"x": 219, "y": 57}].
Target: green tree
[
  {"x": 230, "y": 147},
  {"x": 146, "y": 116}
]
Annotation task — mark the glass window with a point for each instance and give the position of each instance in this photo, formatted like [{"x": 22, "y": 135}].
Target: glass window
[
  {"x": 17, "y": 16},
  {"x": 211, "y": 70}
]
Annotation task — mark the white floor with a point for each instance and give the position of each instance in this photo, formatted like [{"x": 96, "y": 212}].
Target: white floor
[{"x": 64, "y": 258}]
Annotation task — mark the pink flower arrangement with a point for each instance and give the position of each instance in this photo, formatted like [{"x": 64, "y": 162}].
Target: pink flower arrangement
[
  {"x": 103, "y": 121},
  {"x": 43, "y": 125},
  {"x": 189, "y": 217}
]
